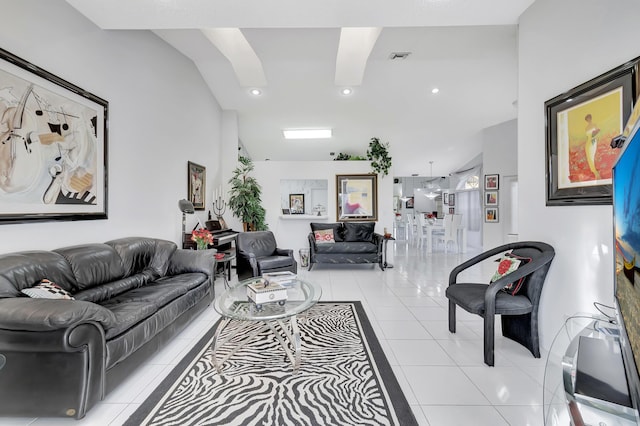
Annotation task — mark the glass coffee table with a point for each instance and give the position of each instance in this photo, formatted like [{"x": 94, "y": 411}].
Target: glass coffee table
[{"x": 234, "y": 304}]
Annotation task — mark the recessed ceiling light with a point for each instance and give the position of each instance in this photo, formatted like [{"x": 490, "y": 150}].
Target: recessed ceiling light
[
  {"x": 346, "y": 91},
  {"x": 435, "y": 90},
  {"x": 255, "y": 92},
  {"x": 307, "y": 134}
]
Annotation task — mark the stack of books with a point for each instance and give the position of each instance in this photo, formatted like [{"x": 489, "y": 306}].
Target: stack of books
[{"x": 284, "y": 278}]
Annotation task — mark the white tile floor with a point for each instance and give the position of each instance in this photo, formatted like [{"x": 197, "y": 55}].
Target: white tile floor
[{"x": 442, "y": 374}]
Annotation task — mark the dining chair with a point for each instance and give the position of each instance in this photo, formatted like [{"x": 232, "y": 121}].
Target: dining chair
[
  {"x": 422, "y": 232},
  {"x": 411, "y": 226},
  {"x": 452, "y": 224}
]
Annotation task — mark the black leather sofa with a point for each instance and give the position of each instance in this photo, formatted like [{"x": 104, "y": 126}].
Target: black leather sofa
[
  {"x": 353, "y": 242},
  {"x": 60, "y": 357}
]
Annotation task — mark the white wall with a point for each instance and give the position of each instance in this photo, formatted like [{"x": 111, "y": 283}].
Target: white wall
[
  {"x": 561, "y": 45},
  {"x": 293, "y": 233},
  {"x": 161, "y": 115},
  {"x": 499, "y": 154}
]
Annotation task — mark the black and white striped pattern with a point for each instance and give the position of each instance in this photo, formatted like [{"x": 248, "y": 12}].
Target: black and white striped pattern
[{"x": 339, "y": 381}]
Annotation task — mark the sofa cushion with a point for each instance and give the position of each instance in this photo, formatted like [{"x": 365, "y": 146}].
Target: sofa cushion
[
  {"x": 93, "y": 264},
  {"x": 127, "y": 315},
  {"x": 24, "y": 269},
  {"x": 347, "y": 247},
  {"x": 260, "y": 243},
  {"x": 187, "y": 280},
  {"x": 338, "y": 229},
  {"x": 47, "y": 290},
  {"x": 359, "y": 231},
  {"x": 144, "y": 255},
  {"x": 106, "y": 291}
]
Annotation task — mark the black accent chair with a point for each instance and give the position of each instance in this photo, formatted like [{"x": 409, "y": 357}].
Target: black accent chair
[
  {"x": 519, "y": 313},
  {"x": 258, "y": 253}
]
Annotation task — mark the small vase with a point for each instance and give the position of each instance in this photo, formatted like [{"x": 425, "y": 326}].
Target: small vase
[{"x": 202, "y": 246}]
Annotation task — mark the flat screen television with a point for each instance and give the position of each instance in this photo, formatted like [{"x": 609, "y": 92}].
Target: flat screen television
[{"x": 626, "y": 231}]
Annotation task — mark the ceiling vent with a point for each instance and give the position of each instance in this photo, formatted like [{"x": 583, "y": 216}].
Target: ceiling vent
[{"x": 399, "y": 55}]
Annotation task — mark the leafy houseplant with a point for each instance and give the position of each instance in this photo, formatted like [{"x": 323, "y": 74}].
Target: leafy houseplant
[
  {"x": 244, "y": 200},
  {"x": 378, "y": 154}
]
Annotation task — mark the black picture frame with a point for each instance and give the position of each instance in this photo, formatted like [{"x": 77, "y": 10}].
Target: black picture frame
[
  {"x": 196, "y": 184},
  {"x": 409, "y": 203},
  {"x": 56, "y": 152},
  {"x": 452, "y": 199},
  {"x": 491, "y": 182},
  {"x": 296, "y": 203},
  {"x": 580, "y": 124}
]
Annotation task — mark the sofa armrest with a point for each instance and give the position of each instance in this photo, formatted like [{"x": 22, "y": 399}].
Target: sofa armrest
[
  {"x": 312, "y": 243},
  {"x": 284, "y": 252},
  {"x": 185, "y": 261},
  {"x": 378, "y": 239},
  {"x": 26, "y": 314}
]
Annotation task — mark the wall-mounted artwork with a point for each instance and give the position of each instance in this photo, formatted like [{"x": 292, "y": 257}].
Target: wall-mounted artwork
[
  {"x": 491, "y": 198},
  {"x": 581, "y": 124},
  {"x": 296, "y": 203},
  {"x": 357, "y": 197},
  {"x": 491, "y": 214},
  {"x": 196, "y": 182},
  {"x": 53, "y": 146},
  {"x": 410, "y": 203}
]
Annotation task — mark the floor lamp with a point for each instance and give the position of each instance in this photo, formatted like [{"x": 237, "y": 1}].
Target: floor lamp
[{"x": 186, "y": 207}]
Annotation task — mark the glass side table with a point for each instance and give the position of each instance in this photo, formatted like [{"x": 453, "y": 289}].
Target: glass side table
[{"x": 562, "y": 404}]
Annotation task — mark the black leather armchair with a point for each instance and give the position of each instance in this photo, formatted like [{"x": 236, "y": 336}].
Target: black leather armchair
[
  {"x": 519, "y": 313},
  {"x": 258, "y": 253}
]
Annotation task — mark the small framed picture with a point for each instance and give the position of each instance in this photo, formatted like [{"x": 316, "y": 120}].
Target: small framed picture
[
  {"x": 445, "y": 198},
  {"x": 296, "y": 203},
  {"x": 491, "y": 198},
  {"x": 452, "y": 210},
  {"x": 452, "y": 200},
  {"x": 491, "y": 214},
  {"x": 491, "y": 182},
  {"x": 286, "y": 211},
  {"x": 409, "y": 203}
]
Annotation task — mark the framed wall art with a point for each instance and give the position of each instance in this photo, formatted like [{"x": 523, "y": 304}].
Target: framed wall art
[
  {"x": 53, "y": 150},
  {"x": 491, "y": 182},
  {"x": 452, "y": 200},
  {"x": 296, "y": 203},
  {"x": 357, "y": 197},
  {"x": 409, "y": 204},
  {"x": 491, "y": 198},
  {"x": 491, "y": 214},
  {"x": 580, "y": 125},
  {"x": 445, "y": 198},
  {"x": 196, "y": 184}
]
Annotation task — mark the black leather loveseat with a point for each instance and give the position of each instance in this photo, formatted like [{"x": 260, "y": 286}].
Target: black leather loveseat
[
  {"x": 60, "y": 357},
  {"x": 345, "y": 242}
]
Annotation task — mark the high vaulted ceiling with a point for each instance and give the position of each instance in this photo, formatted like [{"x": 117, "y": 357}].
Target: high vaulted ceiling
[{"x": 289, "y": 49}]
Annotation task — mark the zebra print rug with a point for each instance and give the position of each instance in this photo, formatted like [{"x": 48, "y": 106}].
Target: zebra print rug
[{"x": 344, "y": 379}]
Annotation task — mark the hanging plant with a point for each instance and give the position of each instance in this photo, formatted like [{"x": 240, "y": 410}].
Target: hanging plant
[
  {"x": 378, "y": 154},
  {"x": 244, "y": 198}
]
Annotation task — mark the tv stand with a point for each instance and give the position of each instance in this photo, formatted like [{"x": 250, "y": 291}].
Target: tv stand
[{"x": 585, "y": 382}]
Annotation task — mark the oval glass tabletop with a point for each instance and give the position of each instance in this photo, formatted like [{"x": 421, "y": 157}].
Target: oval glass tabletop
[{"x": 235, "y": 303}]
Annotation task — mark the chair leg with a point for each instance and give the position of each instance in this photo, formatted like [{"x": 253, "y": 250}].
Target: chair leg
[
  {"x": 452, "y": 317},
  {"x": 489, "y": 336}
]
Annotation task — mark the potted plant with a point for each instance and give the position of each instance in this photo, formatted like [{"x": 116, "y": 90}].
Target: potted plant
[
  {"x": 244, "y": 200},
  {"x": 378, "y": 154}
]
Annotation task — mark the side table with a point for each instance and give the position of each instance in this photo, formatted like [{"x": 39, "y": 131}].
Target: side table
[
  {"x": 225, "y": 267},
  {"x": 385, "y": 241}
]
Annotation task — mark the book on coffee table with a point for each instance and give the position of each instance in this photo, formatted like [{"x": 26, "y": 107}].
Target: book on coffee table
[{"x": 284, "y": 277}]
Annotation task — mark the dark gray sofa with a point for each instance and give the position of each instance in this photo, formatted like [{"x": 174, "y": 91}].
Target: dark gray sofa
[
  {"x": 355, "y": 242},
  {"x": 60, "y": 357}
]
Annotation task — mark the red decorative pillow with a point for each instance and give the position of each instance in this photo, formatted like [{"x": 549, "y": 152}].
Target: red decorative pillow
[
  {"x": 507, "y": 264},
  {"x": 324, "y": 236}
]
